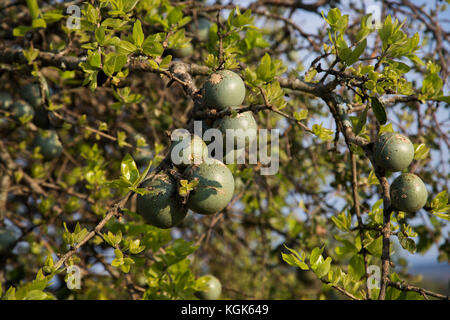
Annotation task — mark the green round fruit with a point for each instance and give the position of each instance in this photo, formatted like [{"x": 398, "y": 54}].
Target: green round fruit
[
  {"x": 31, "y": 92},
  {"x": 215, "y": 186},
  {"x": 212, "y": 288},
  {"x": 393, "y": 151},
  {"x": 239, "y": 131},
  {"x": 293, "y": 55},
  {"x": 201, "y": 29},
  {"x": 7, "y": 238},
  {"x": 161, "y": 207},
  {"x": 6, "y": 100},
  {"x": 189, "y": 149},
  {"x": 21, "y": 109},
  {"x": 185, "y": 51},
  {"x": 408, "y": 193},
  {"x": 224, "y": 89},
  {"x": 49, "y": 145}
]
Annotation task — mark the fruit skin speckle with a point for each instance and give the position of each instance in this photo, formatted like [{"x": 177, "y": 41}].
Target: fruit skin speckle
[
  {"x": 408, "y": 193},
  {"x": 224, "y": 89},
  {"x": 393, "y": 151}
]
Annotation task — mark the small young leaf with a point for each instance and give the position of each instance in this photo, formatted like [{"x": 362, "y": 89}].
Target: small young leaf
[{"x": 379, "y": 110}]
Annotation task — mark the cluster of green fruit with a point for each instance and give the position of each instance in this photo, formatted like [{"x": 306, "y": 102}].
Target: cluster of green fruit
[
  {"x": 162, "y": 206},
  {"x": 395, "y": 152},
  {"x": 30, "y": 107}
]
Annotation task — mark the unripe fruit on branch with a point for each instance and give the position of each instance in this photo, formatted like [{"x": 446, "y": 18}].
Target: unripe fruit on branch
[
  {"x": 293, "y": 55},
  {"x": 224, "y": 89},
  {"x": 212, "y": 288},
  {"x": 185, "y": 51},
  {"x": 408, "y": 193},
  {"x": 21, "y": 109},
  {"x": 161, "y": 207},
  {"x": 201, "y": 28},
  {"x": 242, "y": 128},
  {"x": 393, "y": 151},
  {"x": 31, "y": 92},
  {"x": 7, "y": 238},
  {"x": 215, "y": 187},
  {"x": 6, "y": 101},
  {"x": 49, "y": 145}
]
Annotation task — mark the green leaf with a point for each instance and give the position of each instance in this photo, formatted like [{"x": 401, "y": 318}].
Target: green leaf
[
  {"x": 129, "y": 5},
  {"x": 356, "y": 267},
  {"x": 114, "y": 63},
  {"x": 129, "y": 169},
  {"x": 361, "y": 121},
  {"x": 294, "y": 259},
  {"x": 36, "y": 295},
  {"x": 445, "y": 99},
  {"x": 94, "y": 59},
  {"x": 359, "y": 50},
  {"x": 378, "y": 110},
  {"x": 34, "y": 8},
  {"x": 100, "y": 35},
  {"x": 266, "y": 70},
  {"x": 302, "y": 115},
  {"x": 21, "y": 31},
  {"x": 38, "y": 23},
  {"x": 323, "y": 268},
  {"x": 439, "y": 205},
  {"x": 152, "y": 47},
  {"x": 343, "y": 221},
  {"x": 310, "y": 74},
  {"x": 386, "y": 128},
  {"x": 175, "y": 15},
  {"x": 407, "y": 243},
  {"x": 125, "y": 47},
  {"x": 421, "y": 152},
  {"x": 31, "y": 54},
  {"x": 52, "y": 16},
  {"x": 138, "y": 34},
  {"x": 323, "y": 133},
  {"x": 316, "y": 256}
]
